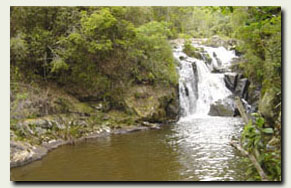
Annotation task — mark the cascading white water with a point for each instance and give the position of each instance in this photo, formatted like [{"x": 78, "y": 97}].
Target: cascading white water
[{"x": 198, "y": 86}]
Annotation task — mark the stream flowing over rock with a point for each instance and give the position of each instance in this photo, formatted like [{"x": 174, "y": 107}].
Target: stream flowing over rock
[
  {"x": 207, "y": 85},
  {"x": 195, "y": 148}
]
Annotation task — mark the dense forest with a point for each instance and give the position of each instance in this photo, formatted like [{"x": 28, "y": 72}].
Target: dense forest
[{"x": 79, "y": 59}]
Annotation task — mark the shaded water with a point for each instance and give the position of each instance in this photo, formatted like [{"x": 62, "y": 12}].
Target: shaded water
[{"x": 192, "y": 150}]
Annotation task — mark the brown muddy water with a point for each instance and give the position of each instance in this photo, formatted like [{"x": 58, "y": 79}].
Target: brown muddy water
[{"x": 190, "y": 150}]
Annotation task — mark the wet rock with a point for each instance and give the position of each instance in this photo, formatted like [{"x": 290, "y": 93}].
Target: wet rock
[
  {"x": 247, "y": 106},
  {"x": 134, "y": 129},
  {"x": 230, "y": 80},
  {"x": 219, "y": 70},
  {"x": 207, "y": 58},
  {"x": 222, "y": 108},
  {"x": 241, "y": 88},
  {"x": 216, "y": 41},
  {"x": 182, "y": 57},
  {"x": 150, "y": 125},
  {"x": 52, "y": 144},
  {"x": 186, "y": 90},
  {"x": 22, "y": 153},
  {"x": 195, "y": 84},
  {"x": 254, "y": 94},
  {"x": 217, "y": 59},
  {"x": 172, "y": 109}
]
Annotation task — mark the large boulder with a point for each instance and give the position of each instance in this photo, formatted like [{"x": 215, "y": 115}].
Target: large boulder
[
  {"x": 22, "y": 153},
  {"x": 230, "y": 80},
  {"x": 153, "y": 104},
  {"x": 216, "y": 41},
  {"x": 241, "y": 88},
  {"x": 222, "y": 108},
  {"x": 267, "y": 105},
  {"x": 217, "y": 59}
]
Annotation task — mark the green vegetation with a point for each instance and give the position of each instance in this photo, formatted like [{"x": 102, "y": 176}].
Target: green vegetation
[
  {"x": 259, "y": 30},
  {"x": 97, "y": 49},
  {"x": 191, "y": 51},
  {"x": 63, "y": 58},
  {"x": 265, "y": 146}
]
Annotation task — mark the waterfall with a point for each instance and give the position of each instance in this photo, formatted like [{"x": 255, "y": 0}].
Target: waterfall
[{"x": 201, "y": 82}]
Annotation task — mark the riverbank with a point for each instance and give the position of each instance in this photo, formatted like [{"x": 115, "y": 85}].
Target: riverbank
[
  {"x": 45, "y": 116},
  {"x": 194, "y": 149},
  {"x": 23, "y": 153}
]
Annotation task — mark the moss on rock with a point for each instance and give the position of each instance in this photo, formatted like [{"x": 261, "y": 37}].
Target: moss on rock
[
  {"x": 267, "y": 105},
  {"x": 154, "y": 106}
]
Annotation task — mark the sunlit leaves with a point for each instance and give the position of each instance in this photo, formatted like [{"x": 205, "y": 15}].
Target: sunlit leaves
[
  {"x": 58, "y": 64},
  {"x": 97, "y": 22},
  {"x": 268, "y": 130}
]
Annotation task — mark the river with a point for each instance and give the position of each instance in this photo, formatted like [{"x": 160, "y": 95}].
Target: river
[
  {"x": 196, "y": 148},
  {"x": 191, "y": 150}
]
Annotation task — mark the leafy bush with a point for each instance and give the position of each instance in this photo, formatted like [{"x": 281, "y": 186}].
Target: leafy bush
[{"x": 256, "y": 140}]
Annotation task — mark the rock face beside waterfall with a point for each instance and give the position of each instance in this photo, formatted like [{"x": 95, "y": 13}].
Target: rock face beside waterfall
[
  {"x": 237, "y": 84},
  {"x": 222, "y": 108},
  {"x": 153, "y": 104}
]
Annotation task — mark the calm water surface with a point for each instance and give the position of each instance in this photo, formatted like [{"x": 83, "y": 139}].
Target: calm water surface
[{"x": 191, "y": 150}]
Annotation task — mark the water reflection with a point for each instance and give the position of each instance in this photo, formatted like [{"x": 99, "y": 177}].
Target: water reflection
[
  {"x": 190, "y": 151},
  {"x": 205, "y": 151}
]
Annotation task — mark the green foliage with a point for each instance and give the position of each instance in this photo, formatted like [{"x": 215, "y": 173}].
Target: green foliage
[
  {"x": 251, "y": 138},
  {"x": 191, "y": 51},
  {"x": 105, "y": 50},
  {"x": 21, "y": 96},
  {"x": 260, "y": 31},
  {"x": 102, "y": 50},
  {"x": 255, "y": 139},
  {"x": 154, "y": 55},
  {"x": 73, "y": 44},
  {"x": 58, "y": 65},
  {"x": 18, "y": 48}
]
